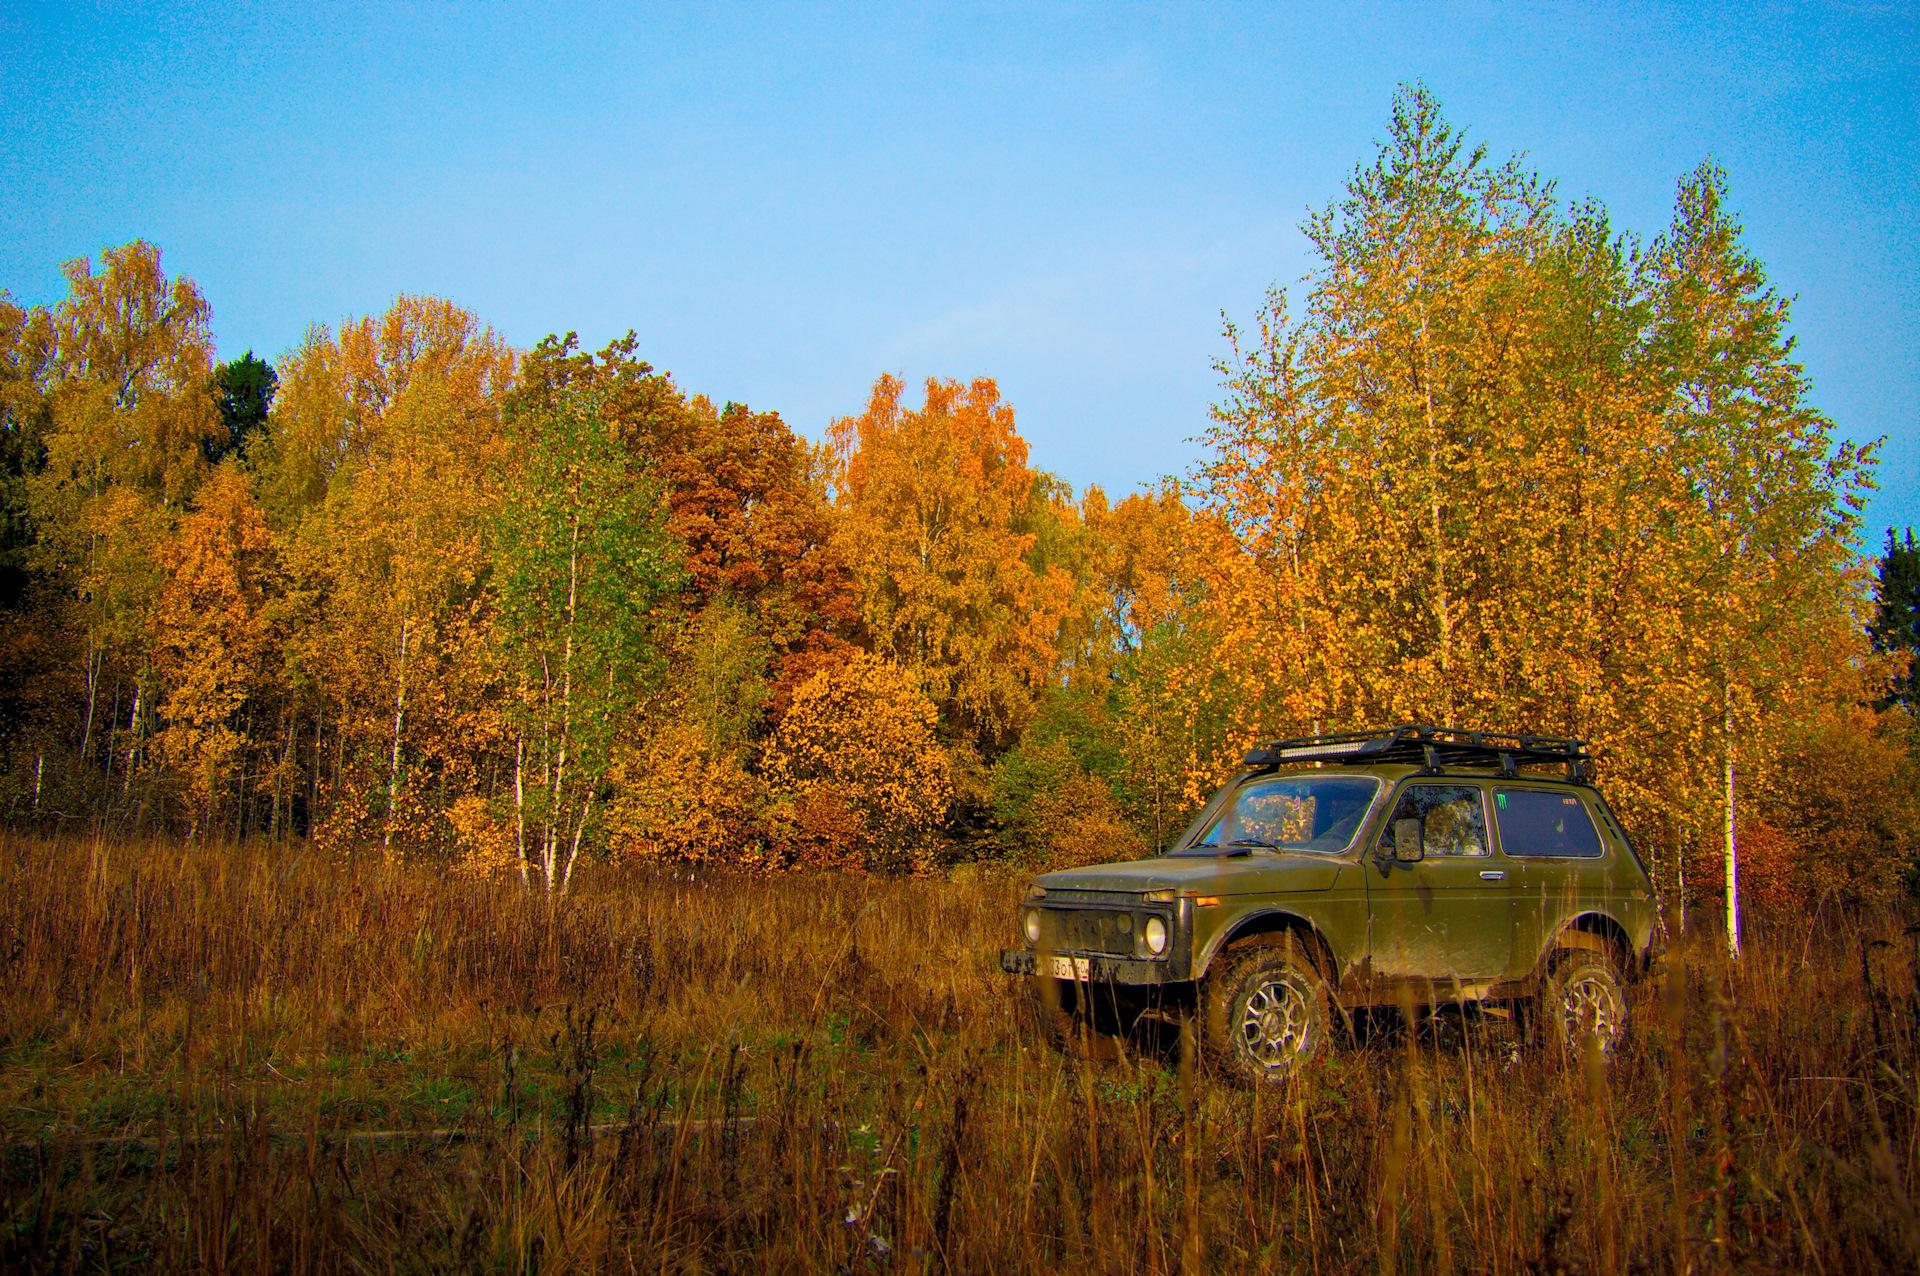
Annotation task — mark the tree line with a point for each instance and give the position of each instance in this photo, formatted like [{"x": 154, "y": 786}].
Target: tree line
[{"x": 408, "y": 590}]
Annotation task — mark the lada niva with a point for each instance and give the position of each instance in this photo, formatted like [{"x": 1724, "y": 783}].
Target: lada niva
[{"x": 1411, "y": 866}]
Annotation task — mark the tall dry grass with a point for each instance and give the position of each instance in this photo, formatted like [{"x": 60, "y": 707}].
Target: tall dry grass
[{"x": 241, "y": 1058}]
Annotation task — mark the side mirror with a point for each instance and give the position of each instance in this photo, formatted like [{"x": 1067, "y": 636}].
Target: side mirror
[{"x": 1406, "y": 842}]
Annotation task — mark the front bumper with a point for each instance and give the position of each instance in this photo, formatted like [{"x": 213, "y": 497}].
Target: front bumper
[{"x": 1085, "y": 968}]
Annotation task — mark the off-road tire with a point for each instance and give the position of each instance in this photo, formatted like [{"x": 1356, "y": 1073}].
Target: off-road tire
[
  {"x": 1266, "y": 1014},
  {"x": 1584, "y": 994}
]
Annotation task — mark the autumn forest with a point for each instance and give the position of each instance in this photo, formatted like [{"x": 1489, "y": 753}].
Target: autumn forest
[{"x": 405, "y": 592}]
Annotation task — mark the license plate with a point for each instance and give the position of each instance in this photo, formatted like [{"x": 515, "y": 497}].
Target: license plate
[{"x": 1065, "y": 967}]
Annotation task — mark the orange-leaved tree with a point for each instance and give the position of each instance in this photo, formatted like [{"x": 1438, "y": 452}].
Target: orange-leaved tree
[
  {"x": 748, "y": 500},
  {"x": 936, "y": 506},
  {"x": 212, "y": 635}
]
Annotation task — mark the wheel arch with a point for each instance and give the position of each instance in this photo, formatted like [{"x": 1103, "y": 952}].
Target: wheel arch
[
  {"x": 1591, "y": 931},
  {"x": 1272, "y": 927}
]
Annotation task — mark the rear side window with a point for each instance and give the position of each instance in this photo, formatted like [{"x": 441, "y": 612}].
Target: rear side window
[{"x": 1549, "y": 825}]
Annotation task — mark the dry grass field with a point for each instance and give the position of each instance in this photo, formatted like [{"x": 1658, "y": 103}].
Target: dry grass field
[{"x": 248, "y": 1059}]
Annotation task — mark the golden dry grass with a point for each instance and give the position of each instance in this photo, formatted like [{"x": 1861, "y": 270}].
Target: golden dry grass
[{"x": 704, "y": 1073}]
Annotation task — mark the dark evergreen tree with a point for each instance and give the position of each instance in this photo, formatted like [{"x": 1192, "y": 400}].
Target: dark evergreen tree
[
  {"x": 26, "y": 350},
  {"x": 1896, "y": 625},
  {"x": 244, "y": 389}
]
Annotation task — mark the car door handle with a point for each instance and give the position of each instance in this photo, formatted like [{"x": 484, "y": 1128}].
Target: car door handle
[{"x": 1493, "y": 875}]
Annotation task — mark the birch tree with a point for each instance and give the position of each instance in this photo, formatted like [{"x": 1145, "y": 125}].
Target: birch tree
[
  {"x": 582, "y": 555},
  {"x": 381, "y": 472},
  {"x": 1775, "y": 501},
  {"x": 1508, "y": 468},
  {"x": 128, "y": 413}
]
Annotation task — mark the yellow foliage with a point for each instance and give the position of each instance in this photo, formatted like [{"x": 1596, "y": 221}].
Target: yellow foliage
[
  {"x": 1502, "y": 472},
  {"x": 675, "y": 798},
  {"x": 484, "y": 841},
  {"x": 855, "y": 755},
  {"x": 1080, "y": 823}
]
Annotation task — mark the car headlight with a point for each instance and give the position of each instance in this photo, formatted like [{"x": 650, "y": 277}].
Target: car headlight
[
  {"x": 1033, "y": 925},
  {"x": 1156, "y": 933}
]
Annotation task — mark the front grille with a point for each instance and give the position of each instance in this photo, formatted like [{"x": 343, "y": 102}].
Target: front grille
[
  {"x": 1089, "y": 930},
  {"x": 1060, "y": 895}
]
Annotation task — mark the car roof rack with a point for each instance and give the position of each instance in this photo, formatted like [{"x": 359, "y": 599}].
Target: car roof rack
[{"x": 1431, "y": 747}]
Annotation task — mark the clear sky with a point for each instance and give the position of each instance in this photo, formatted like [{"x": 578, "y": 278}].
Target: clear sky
[{"x": 784, "y": 201}]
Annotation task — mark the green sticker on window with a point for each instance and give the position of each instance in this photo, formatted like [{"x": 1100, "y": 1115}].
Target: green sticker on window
[{"x": 1501, "y": 798}]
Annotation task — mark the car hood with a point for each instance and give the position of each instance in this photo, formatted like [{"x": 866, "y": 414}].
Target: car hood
[{"x": 1202, "y": 876}]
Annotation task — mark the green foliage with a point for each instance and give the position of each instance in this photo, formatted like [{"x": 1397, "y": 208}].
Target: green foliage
[
  {"x": 1896, "y": 621},
  {"x": 1054, "y": 794},
  {"x": 581, "y": 553},
  {"x": 26, "y": 347},
  {"x": 243, "y": 392}
]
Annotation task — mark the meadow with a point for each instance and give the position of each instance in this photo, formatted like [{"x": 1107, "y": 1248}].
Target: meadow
[{"x": 259, "y": 1058}]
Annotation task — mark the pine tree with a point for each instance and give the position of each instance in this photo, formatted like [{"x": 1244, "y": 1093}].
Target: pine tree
[
  {"x": 243, "y": 391},
  {"x": 1896, "y": 621}
]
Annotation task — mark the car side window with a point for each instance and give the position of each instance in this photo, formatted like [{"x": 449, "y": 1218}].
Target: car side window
[
  {"x": 1453, "y": 821},
  {"x": 1545, "y": 825}
]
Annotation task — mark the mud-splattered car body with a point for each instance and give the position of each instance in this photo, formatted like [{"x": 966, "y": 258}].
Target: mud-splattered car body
[{"x": 1412, "y": 865}]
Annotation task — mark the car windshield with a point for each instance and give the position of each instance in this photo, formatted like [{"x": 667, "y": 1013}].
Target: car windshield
[{"x": 1316, "y": 813}]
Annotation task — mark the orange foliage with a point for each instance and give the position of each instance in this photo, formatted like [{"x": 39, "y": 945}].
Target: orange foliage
[
  {"x": 933, "y": 502},
  {"x": 1137, "y": 563},
  {"x": 1770, "y": 877},
  {"x": 211, "y": 634},
  {"x": 748, "y": 503},
  {"x": 1839, "y": 817}
]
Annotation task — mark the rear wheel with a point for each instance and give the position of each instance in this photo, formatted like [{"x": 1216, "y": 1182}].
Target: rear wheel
[
  {"x": 1267, "y": 1014},
  {"x": 1583, "y": 997}
]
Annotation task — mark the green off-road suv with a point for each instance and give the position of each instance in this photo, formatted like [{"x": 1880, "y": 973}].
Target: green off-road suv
[{"x": 1412, "y": 866}]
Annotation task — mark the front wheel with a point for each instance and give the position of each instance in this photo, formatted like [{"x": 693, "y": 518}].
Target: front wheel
[
  {"x": 1584, "y": 996},
  {"x": 1267, "y": 1015}
]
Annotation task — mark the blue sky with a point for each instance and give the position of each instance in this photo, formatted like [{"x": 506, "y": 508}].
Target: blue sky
[{"x": 784, "y": 201}]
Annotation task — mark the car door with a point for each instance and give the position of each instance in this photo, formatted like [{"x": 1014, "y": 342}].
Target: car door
[
  {"x": 1558, "y": 860},
  {"x": 1445, "y": 916}
]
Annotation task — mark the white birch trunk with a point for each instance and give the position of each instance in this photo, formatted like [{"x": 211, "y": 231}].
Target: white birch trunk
[
  {"x": 566, "y": 878},
  {"x": 1442, "y": 610},
  {"x": 399, "y": 716},
  {"x": 319, "y": 760},
  {"x": 566, "y": 709},
  {"x": 1733, "y": 845},
  {"x": 1680, "y": 873},
  {"x": 520, "y": 803},
  {"x": 93, "y": 695},
  {"x": 133, "y": 749}
]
